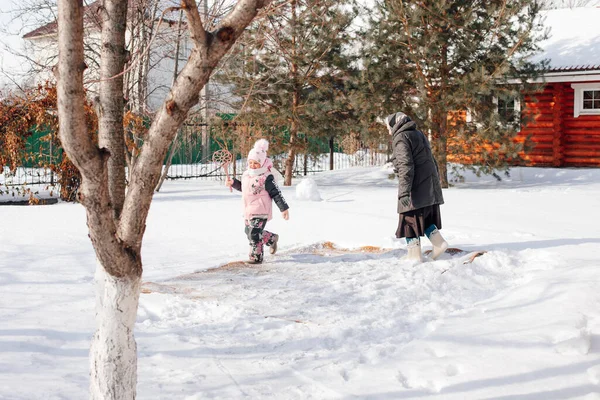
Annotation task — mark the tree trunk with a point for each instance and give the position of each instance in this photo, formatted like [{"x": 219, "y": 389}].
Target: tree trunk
[
  {"x": 143, "y": 60},
  {"x": 117, "y": 239},
  {"x": 113, "y": 352},
  {"x": 331, "y": 153},
  {"x": 289, "y": 162},
  {"x": 439, "y": 142},
  {"x": 165, "y": 172},
  {"x": 441, "y": 120},
  {"x": 175, "y": 144},
  {"x": 111, "y": 135},
  {"x": 305, "y": 162},
  {"x": 442, "y": 161},
  {"x": 152, "y": 21}
]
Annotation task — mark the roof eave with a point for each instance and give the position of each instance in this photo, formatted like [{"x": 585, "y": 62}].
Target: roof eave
[
  {"x": 42, "y": 36},
  {"x": 565, "y": 76}
]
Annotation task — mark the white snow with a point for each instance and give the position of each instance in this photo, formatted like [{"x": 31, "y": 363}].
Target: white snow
[
  {"x": 307, "y": 190},
  {"x": 574, "y": 37},
  {"x": 520, "y": 322}
]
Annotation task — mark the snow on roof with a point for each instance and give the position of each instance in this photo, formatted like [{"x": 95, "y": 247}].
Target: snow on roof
[
  {"x": 90, "y": 13},
  {"x": 574, "y": 40}
]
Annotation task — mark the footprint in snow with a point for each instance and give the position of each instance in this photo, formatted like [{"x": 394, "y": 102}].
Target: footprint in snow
[
  {"x": 578, "y": 345},
  {"x": 452, "y": 370},
  {"x": 575, "y": 341},
  {"x": 403, "y": 380},
  {"x": 419, "y": 383},
  {"x": 593, "y": 374},
  {"x": 345, "y": 375},
  {"x": 436, "y": 352},
  {"x": 382, "y": 277},
  {"x": 383, "y": 286}
]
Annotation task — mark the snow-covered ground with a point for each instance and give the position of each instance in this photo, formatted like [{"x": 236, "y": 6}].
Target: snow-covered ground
[{"x": 520, "y": 322}]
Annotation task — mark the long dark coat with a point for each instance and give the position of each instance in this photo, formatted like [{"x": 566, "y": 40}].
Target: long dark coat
[{"x": 414, "y": 163}]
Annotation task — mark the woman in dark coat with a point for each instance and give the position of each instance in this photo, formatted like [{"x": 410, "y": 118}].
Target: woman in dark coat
[{"x": 419, "y": 189}]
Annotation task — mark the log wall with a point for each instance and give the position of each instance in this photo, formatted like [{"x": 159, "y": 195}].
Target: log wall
[{"x": 559, "y": 139}]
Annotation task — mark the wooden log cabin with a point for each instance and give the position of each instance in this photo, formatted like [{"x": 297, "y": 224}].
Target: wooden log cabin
[
  {"x": 565, "y": 119},
  {"x": 564, "y": 123}
]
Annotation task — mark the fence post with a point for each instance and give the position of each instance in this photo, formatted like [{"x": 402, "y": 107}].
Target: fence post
[
  {"x": 51, "y": 158},
  {"x": 331, "y": 153}
]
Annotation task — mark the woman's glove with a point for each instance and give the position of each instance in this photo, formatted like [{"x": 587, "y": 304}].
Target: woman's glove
[{"x": 405, "y": 201}]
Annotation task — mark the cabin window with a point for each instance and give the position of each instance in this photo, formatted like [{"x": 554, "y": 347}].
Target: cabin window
[
  {"x": 509, "y": 109},
  {"x": 586, "y": 99},
  {"x": 506, "y": 110},
  {"x": 591, "y": 99}
]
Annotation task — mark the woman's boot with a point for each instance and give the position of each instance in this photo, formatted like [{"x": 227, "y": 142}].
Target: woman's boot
[
  {"x": 439, "y": 244},
  {"x": 414, "y": 250}
]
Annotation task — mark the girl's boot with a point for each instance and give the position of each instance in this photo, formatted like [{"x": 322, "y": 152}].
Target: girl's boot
[
  {"x": 439, "y": 244},
  {"x": 273, "y": 243},
  {"x": 256, "y": 253},
  {"x": 271, "y": 239}
]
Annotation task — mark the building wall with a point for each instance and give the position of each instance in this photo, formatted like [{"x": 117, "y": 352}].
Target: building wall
[
  {"x": 559, "y": 138},
  {"x": 43, "y": 51}
]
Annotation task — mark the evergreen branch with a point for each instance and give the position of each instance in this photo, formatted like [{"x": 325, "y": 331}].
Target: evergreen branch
[
  {"x": 412, "y": 50},
  {"x": 511, "y": 52}
]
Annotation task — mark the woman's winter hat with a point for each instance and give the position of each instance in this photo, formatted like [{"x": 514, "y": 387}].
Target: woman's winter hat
[{"x": 259, "y": 151}]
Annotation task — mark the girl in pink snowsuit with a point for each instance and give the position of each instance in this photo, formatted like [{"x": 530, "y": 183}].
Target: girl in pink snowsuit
[{"x": 258, "y": 189}]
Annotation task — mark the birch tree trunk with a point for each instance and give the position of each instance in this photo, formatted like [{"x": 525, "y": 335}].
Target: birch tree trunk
[
  {"x": 113, "y": 353},
  {"x": 116, "y": 218}
]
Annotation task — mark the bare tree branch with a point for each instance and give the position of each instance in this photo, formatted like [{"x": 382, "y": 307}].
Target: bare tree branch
[
  {"x": 184, "y": 95},
  {"x": 196, "y": 27}
]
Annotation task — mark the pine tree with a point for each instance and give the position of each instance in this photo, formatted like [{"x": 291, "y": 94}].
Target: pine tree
[
  {"x": 290, "y": 75},
  {"x": 437, "y": 59}
]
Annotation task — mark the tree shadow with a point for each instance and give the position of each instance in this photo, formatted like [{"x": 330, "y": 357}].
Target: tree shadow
[
  {"x": 558, "y": 394},
  {"x": 199, "y": 197},
  {"x": 541, "y": 374},
  {"x": 30, "y": 346},
  {"x": 336, "y": 257},
  {"x": 533, "y": 177},
  {"x": 541, "y": 244}
]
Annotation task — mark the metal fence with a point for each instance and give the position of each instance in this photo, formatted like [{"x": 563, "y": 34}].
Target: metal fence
[
  {"x": 39, "y": 151},
  {"x": 206, "y": 169},
  {"x": 188, "y": 162},
  {"x": 303, "y": 165},
  {"x": 191, "y": 156},
  {"x": 24, "y": 176}
]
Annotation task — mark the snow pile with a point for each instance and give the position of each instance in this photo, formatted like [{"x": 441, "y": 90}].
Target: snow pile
[{"x": 307, "y": 190}]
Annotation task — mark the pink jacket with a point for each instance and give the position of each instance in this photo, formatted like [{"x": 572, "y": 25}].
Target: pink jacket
[{"x": 256, "y": 199}]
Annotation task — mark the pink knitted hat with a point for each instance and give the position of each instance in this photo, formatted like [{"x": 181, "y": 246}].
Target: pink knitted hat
[{"x": 259, "y": 151}]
